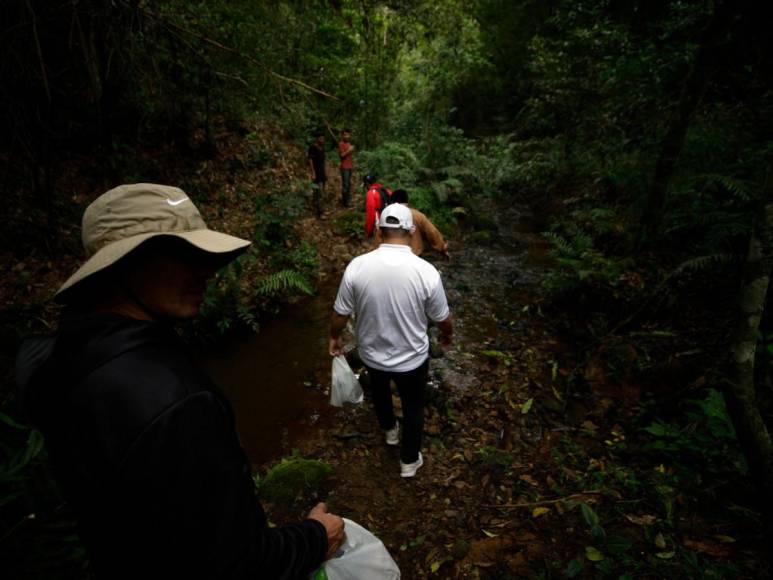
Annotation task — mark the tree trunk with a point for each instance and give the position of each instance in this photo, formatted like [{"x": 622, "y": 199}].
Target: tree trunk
[
  {"x": 740, "y": 392},
  {"x": 690, "y": 96}
]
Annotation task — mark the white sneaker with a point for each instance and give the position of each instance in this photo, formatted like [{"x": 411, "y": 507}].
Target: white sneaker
[
  {"x": 393, "y": 435},
  {"x": 410, "y": 469}
]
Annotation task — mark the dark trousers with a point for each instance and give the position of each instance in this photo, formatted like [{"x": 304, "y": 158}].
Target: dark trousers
[
  {"x": 346, "y": 187},
  {"x": 318, "y": 190},
  {"x": 410, "y": 386}
]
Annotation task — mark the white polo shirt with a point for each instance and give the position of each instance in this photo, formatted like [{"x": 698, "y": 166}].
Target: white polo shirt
[{"x": 393, "y": 293}]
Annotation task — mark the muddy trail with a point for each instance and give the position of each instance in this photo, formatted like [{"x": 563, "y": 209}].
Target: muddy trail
[{"x": 470, "y": 510}]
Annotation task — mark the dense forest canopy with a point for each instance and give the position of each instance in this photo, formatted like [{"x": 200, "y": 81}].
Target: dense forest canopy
[{"x": 639, "y": 132}]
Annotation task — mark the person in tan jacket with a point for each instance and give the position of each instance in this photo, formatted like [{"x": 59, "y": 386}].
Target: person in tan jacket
[{"x": 424, "y": 230}]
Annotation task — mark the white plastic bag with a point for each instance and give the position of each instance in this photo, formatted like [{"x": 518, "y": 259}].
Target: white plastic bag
[
  {"x": 346, "y": 388},
  {"x": 362, "y": 556}
]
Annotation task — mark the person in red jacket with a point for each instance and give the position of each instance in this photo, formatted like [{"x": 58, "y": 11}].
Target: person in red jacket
[{"x": 376, "y": 199}]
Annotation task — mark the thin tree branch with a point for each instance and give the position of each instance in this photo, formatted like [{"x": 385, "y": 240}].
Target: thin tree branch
[
  {"x": 232, "y": 77},
  {"x": 225, "y": 48},
  {"x": 543, "y": 502},
  {"x": 39, "y": 50}
]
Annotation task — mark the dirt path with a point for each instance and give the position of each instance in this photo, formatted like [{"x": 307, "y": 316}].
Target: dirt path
[{"x": 483, "y": 428}]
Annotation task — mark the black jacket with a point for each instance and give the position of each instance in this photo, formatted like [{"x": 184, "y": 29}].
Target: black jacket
[{"x": 144, "y": 447}]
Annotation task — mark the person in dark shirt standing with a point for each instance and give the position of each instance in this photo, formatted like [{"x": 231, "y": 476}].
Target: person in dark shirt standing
[
  {"x": 317, "y": 170},
  {"x": 345, "y": 152},
  {"x": 141, "y": 441}
]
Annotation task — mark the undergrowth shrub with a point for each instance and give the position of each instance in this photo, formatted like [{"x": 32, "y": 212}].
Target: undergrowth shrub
[
  {"x": 524, "y": 167},
  {"x": 349, "y": 224},
  {"x": 710, "y": 213},
  {"x": 279, "y": 265},
  {"x": 581, "y": 264},
  {"x": 444, "y": 172},
  {"x": 294, "y": 477}
]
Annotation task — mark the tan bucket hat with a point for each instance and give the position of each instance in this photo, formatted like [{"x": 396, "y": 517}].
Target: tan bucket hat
[{"x": 119, "y": 220}]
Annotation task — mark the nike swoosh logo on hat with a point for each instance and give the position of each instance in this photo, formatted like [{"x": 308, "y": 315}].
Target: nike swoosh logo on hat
[{"x": 176, "y": 201}]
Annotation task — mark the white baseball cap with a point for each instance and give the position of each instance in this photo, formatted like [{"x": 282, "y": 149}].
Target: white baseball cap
[{"x": 396, "y": 215}]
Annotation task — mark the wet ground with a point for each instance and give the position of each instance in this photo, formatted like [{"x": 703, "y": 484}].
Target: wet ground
[
  {"x": 273, "y": 378},
  {"x": 434, "y": 524}
]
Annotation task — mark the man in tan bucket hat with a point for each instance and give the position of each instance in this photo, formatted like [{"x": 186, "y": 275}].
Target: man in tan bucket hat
[{"x": 142, "y": 443}]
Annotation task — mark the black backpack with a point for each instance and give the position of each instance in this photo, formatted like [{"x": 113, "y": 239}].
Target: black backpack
[{"x": 386, "y": 196}]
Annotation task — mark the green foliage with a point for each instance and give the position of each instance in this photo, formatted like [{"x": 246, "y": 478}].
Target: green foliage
[
  {"x": 282, "y": 282},
  {"x": 569, "y": 103},
  {"x": 580, "y": 264},
  {"x": 303, "y": 258},
  {"x": 291, "y": 477},
  {"x": 523, "y": 167},
  {"x": 711, "y": 213},
  {"x": 393, "y": 162},
  {"x": 45, "y": 544},
  {"x": 705, "y": 432},
  {"x": 226, "y": 303},
  {"x": 17, "y": 454},
  {"x": 703, "y": 263},
  {"x": 608, "y": 552},
  {"x": 443, "y": 173},
  {"x": 349, "y": 224},
  {"x": 490, "y": 458}
]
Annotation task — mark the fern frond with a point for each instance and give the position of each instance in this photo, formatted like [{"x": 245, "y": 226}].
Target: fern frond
[
  {"x": 736, "y": 187},
  {"x": 283, "y": 281},
  {"x": 559, "y": 243},
  {"x": 582, "y": 242},
  {"x": 703, "y": 263}
]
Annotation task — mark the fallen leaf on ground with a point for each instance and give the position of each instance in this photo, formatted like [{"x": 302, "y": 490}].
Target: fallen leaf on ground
[
  {"x": 644, "y": 520},
  {"x": 593, "y": 554},
  {"x": 707, "y": 547}
]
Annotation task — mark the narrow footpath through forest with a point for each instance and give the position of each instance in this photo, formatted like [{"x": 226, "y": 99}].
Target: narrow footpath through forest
[{"x": 484, "y": 433}]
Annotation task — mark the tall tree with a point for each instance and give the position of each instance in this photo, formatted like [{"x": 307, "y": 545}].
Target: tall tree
[{"x": 740, "y": 392}]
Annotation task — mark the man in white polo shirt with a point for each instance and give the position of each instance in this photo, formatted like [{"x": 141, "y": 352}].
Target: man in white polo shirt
[{"x": 394, "y": 294}]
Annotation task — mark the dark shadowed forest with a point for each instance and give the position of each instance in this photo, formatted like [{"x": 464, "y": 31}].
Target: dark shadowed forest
[{"x": 603, "y": 173}]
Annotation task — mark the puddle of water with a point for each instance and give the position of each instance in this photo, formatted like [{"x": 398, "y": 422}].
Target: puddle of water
[{"x": 264, "y": 375}]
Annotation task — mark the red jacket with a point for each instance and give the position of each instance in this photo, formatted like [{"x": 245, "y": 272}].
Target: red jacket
[{"x": 373, "y": 207}]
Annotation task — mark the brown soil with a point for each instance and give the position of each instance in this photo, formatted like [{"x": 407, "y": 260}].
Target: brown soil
[{"x": 484, "y": 441}]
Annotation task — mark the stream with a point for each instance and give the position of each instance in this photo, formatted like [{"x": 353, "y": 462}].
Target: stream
[
  {"x": 277, "y": 379},
  {"x": 273, "y": 378}
]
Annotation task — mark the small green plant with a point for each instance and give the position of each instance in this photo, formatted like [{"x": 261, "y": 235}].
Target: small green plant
[
  {"x": 349, "y": 224},
  {"x": 490, "y": 457},
  {"x": 580, "y": 263},
  {"x": 227, "y": 304},
  {"x": 607, "y": 551},
  {"x": 705, "y": 431},
  {"x": 17, "y": 458},
  {"x": 291, "y": 477},
  {"x": 283, "y": 282}
]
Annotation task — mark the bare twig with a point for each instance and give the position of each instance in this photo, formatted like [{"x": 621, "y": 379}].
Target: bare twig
[
  {"x": 40, "y": 51},
  {"x": 232, "y": 77},
  {"x": 225, "y": 48},
  {"x": 543, "y": 502}
]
